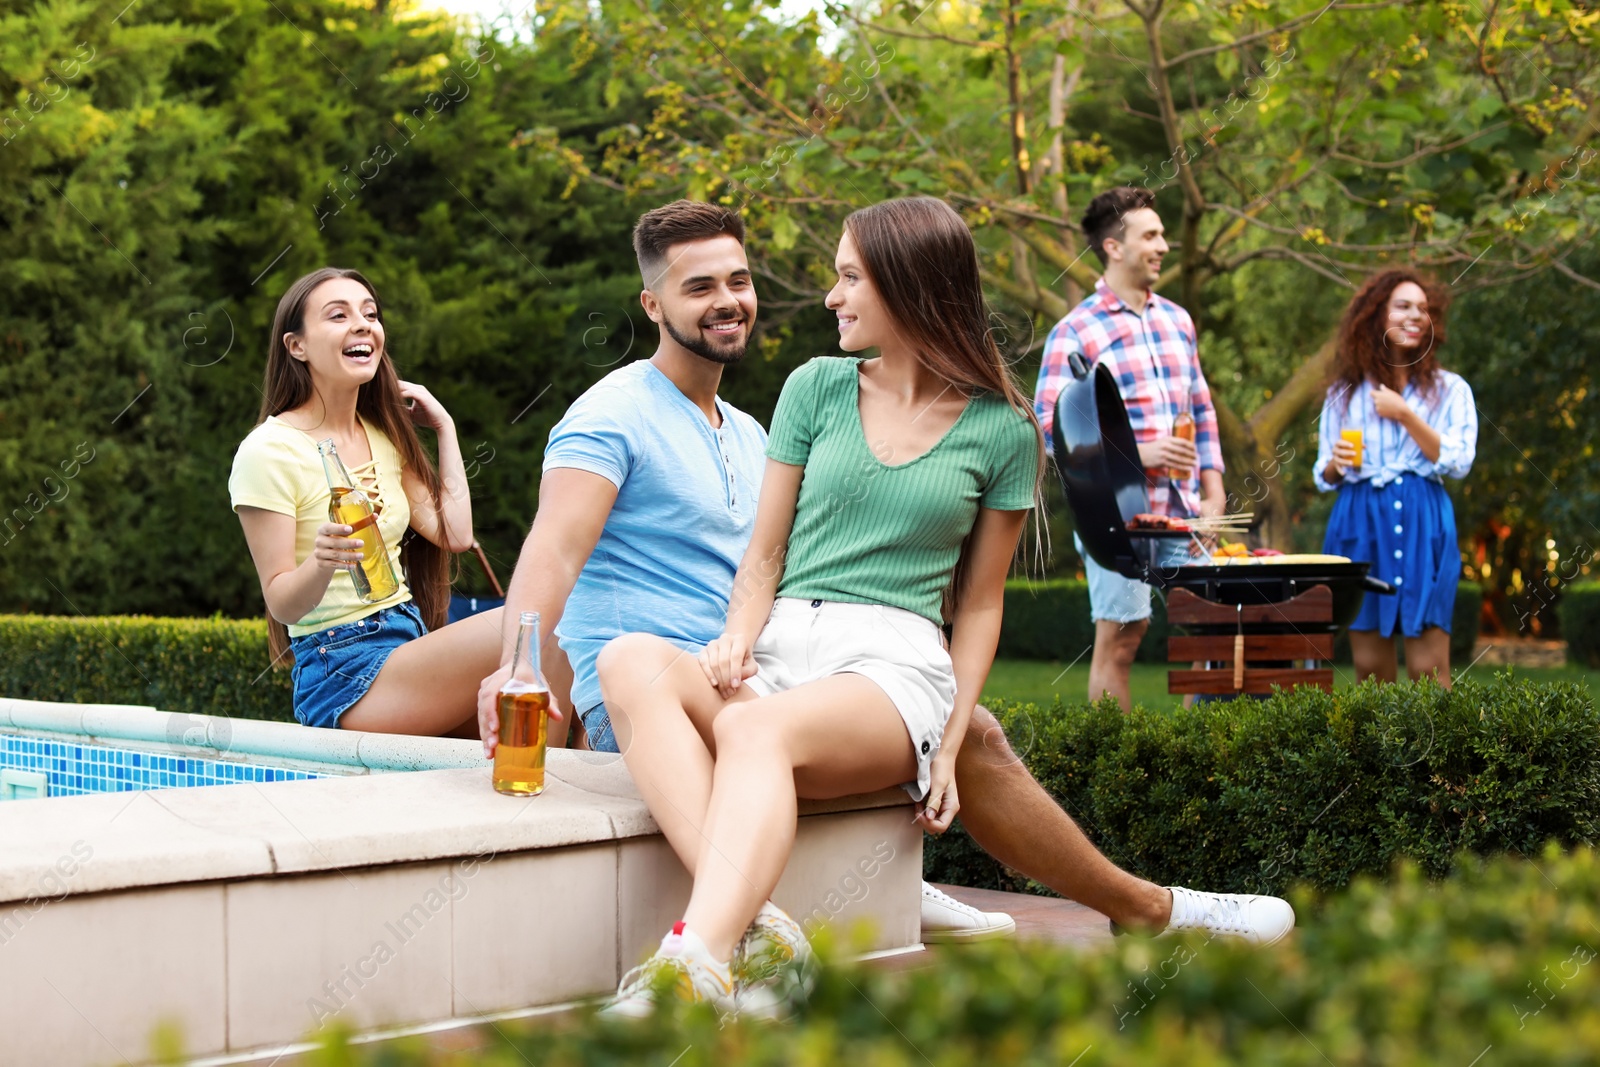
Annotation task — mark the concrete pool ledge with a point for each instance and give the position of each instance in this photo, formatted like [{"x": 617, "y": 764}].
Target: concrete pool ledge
[
  {"x": 254, "y": 915},
  {"x": 221, "y": 737}
]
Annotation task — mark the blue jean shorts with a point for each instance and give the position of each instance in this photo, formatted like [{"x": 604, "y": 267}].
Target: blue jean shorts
[
  {"x": 1114, "y": 598},
  {"x": 334, "y": 668},
  {"x": 597, "y": 726}
]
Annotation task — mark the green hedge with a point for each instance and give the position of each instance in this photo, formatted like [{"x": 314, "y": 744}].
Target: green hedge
[
  {"x": 1049, "y": 620},
  {"x": 205, "y": 666},
  {"x": 1255, "y": 796},
  {"x": 1412, "y": 973},
  {"x": 1580, "y": 622}
]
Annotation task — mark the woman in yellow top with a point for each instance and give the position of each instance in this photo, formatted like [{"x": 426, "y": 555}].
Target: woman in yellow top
[{"x": 390, "y": 666}]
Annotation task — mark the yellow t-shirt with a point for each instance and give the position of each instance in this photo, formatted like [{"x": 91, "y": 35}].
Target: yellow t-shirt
[{"x": 278, "y": 468}]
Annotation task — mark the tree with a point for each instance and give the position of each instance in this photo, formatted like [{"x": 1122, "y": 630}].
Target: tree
[
  {"x": 197, "y": 158},
  {"x": 1337, "y": 137}
]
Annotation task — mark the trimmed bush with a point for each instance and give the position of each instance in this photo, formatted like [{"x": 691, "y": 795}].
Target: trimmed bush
[
  {"x": 205, "y": 666},
  {"x": 1255, "y": 796},
  {"x": 1580, "y": 622},
  {"x": 1049, "y": 620},
  {"x": 1412, "y": 972}
]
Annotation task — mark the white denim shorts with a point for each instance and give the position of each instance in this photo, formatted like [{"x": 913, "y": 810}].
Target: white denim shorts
[{"x": 898, "y": 650}]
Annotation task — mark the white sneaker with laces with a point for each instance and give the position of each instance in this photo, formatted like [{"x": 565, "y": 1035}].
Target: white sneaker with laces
[
  {"x": 944, "y": 918},
  {"x": 773, "y": 964},
  {"x": 696, "y": 977},
  {"x": 1257, "y": 919}
]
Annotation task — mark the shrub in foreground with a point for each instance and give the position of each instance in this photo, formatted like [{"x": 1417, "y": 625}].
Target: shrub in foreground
[
  {"x": 201, "y": 666},
  {"x": 1412, "y": 973},
  {"x": 1255, "y": 796}
]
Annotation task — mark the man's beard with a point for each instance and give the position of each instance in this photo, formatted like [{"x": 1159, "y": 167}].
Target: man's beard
[{"x": 727, "y": 355}]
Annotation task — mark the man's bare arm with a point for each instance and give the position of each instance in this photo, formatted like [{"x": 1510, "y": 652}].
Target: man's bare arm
[{"x": 573, "y": 508}]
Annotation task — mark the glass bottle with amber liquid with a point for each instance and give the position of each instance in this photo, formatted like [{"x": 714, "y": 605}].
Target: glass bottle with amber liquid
[
  {"x": 524, "y": 717},
  {"x": 1183, "y": 426},
  {"x": 374, "y": 576}
]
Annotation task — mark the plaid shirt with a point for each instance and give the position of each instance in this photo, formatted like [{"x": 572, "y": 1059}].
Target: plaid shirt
[{"x": 1154, "y": 360}]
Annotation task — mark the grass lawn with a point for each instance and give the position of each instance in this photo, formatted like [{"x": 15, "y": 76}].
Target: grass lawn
[{"x": 1042, "y": 682}]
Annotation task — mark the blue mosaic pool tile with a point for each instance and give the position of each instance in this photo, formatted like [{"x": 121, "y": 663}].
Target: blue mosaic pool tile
[{"x": 87, "y": 768}]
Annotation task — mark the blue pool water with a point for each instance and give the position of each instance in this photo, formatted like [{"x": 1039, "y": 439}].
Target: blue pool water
[{"x": 74, "y": 767}]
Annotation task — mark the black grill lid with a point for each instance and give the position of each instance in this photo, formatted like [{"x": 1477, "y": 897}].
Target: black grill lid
[{"x": 1098, "y": 460}]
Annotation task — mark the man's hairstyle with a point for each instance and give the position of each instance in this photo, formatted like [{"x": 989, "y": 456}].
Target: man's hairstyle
[
  {"x": 670, "y": 224},
  {"x": 1104, "y": 216}
]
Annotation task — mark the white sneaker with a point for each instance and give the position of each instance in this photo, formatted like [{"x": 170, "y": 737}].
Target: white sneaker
[
  {"x": 944, "y": 918},
  {"x": 682, "y": 968},
  {"x": 1259, "y": 920},
  {"x": 772, "y": 965}
]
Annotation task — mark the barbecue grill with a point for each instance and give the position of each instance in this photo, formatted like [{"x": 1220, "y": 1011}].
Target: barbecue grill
[{"x": 1098, "y": 460}]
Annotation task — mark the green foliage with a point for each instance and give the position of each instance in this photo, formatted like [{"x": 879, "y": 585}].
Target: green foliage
[
  {"x": 1293, "y": 151},
  {"x": 195, "y": 157},
  {"x": 166, "y": 169},
  {"x": 1529, "y": 352},
  {"x": 1256, "y": 796},
  {"x": 1411, "y": 972},
  {"x": 201, "y": 666},
  {"x": 1580, "y": 622},
  {"x": 1465, "y": 623},
  {"x": 1050, "y": 620}
]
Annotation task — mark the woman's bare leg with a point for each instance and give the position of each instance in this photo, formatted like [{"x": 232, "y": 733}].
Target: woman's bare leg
[
  {"x": 828, "y": 738},
  {"x": 662, "y": 708},
  {"x": 1428, "y": 656},
  {"x": 1373, "y": 655},
  {"x": 430, "y": 686}
]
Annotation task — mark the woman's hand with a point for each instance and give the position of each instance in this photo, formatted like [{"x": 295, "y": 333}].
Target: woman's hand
[
  {"x": 727, "y": 662},
  {"x": 1389, "y": 404},
  {"x": 424, "y": 407},
  {"x": 1344, "y": 457},
  {"x": 335, "y": 549},
  {"x": 941, "y": 805}
]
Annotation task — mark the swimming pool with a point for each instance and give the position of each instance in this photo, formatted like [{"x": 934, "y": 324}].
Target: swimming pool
[
  {"x": 34, "y": 766},
  {"x": 56, "y": 750}
]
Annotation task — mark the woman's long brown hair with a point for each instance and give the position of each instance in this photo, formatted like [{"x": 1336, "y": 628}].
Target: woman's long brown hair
[
  {"x": 924, "y": 263},
  {"x": 1363, "y": 352},
  {"x": 288, "y": 385}
]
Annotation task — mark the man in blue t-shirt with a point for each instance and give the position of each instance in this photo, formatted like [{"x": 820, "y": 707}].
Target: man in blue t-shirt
[{"x": 647, "y": 503}]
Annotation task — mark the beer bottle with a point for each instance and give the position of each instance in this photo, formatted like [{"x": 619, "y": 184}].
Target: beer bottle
[
  {"x": 524, "y": 717},
  {"x": 373, "y": 577}
]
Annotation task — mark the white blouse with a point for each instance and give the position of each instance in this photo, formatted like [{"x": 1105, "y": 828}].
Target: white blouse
[{"x": 1387, "y": 448}]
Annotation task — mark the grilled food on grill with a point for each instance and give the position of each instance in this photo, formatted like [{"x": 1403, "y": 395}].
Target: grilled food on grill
[{"x": 1147, "y": 521}]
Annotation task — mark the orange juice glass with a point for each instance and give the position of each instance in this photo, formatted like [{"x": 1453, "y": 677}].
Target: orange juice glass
[{"x": 1354, "y": 437}]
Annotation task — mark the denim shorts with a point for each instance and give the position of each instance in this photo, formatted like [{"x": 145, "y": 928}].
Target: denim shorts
[
  {"x": 1114, "y": 598},
  {"x": 334, "y": 668},
  {"x": 597, "y": 726}
]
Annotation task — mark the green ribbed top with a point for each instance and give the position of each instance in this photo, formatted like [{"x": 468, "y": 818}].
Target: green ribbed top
[{"x": 868, "y": 533}]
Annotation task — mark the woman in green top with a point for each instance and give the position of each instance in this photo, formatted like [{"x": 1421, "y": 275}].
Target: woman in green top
[{"x": 895, "y": 492}]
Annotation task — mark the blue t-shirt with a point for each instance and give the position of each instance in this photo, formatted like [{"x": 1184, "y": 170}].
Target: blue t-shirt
[{"x": 685, "y": 510}]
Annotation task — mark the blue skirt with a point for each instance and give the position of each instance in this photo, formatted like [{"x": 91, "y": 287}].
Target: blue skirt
[{"x": 1407, "y": 531}]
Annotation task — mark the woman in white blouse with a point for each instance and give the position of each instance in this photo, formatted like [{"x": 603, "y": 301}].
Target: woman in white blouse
[{"x": 1417, "y": 423}]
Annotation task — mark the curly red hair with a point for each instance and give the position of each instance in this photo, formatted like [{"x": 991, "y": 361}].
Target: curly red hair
[{"x": 1362, "y": 352}]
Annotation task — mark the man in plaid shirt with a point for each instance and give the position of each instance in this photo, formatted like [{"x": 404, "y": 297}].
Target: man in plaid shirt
[{"x": 1148, "y": 342}]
